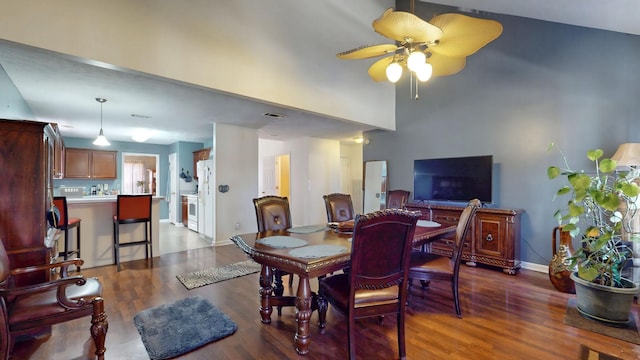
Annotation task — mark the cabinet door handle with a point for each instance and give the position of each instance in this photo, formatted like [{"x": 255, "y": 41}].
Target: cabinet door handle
[{"x": 489, "y": 237}]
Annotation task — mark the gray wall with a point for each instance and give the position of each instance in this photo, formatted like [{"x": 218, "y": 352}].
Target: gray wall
[{"x": 538, "y": 83}]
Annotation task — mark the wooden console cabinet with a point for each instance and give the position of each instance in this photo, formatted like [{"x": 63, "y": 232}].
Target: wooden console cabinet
[
  {"x": 494, "y": 238},
  {"x": 90, "y": 164}
]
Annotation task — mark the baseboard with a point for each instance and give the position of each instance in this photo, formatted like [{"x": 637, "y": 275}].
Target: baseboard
[{"x": 534, "y": 267}]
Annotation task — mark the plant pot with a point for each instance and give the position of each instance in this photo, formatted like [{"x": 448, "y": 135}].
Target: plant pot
[{"x": 608, "y": 304}]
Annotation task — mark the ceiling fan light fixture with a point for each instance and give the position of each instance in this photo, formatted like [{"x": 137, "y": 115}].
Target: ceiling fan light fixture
[
  {"x": 415, "y": 60},
  {"x": 424, "y": 72},
  {"x": 101, "y": 140},
  {"x": 394, "y": 72}
]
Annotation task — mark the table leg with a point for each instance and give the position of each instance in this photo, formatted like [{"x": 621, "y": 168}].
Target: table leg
[
  {"x": 303, "y": 314},
  {"x": 266, "y": 289}
]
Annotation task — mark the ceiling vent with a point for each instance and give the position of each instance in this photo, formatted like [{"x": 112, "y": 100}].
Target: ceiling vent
[{"x": 279, "y": 116}]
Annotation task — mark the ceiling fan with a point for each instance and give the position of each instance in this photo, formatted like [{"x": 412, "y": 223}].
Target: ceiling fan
[{"x": 436, "y": 48}]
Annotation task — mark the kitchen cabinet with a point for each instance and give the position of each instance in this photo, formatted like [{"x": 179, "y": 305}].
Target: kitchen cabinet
[
  {"x": 26, "y": 155},
  {"x": 202, "y": 154},
  {"x": 90, "y": 164},
  {"x": 494, "y": 237}
]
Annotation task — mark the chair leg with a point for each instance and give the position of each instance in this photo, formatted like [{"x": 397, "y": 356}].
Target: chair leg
[
  {"x": 99, "y": 327},
  {"x": 401, "y": 344},
  {"x": 6, "y": 343},
  {"x": 323, "y": 306},
  {"x": 351, "y": 329},
  {"x": 456, "y": 298}
]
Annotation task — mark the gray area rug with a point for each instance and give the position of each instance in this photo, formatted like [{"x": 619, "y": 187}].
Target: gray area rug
[
  {"x": 174, "y": 329},
  {"x": 627, "y": 333},
  {"x": 217, "y": 274}
]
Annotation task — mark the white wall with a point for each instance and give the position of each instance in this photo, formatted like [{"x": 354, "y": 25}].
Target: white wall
[
  {"x": 266, "y": 50},
  {"x": 236, "y": 164}
]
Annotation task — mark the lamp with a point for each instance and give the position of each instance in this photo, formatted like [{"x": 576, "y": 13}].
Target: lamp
[
  {"x": 627, "y": 155},
  {"x": 101, "y": 140}
]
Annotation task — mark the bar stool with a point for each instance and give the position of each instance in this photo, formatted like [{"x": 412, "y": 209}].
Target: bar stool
[
  {"x": 132, "y": 209},
  {"x": 65, "y": 223}
]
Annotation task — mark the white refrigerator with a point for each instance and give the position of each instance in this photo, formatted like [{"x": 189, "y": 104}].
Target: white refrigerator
[{"x": 206, "y": 198}]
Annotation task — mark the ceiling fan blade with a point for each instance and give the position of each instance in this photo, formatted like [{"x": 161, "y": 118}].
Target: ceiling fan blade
[
  {"x": 446, "y": 65},
  {"x": 464, "y": 35},
  {"x": 365, "y": 52},
  {"x": 378, "y": 71},
  {"x": 403, "y": 26}
]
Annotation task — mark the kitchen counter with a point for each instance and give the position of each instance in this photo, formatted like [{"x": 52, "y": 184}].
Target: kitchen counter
[{"x": 96, "y": 230}]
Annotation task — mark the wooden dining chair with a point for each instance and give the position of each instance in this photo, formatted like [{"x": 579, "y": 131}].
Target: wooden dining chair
[
  {"x": 26, "y": 309},
  {"x": 377, "y": 282},
  {"x": 396, "y": 199},
  {"x": 339, "y": 207},
  {"x": 273, "y": 213},
  {"x": 426, "y": 266}
]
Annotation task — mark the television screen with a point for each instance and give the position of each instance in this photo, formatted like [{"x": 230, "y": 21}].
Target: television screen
[{"x": 453, "y": 179}]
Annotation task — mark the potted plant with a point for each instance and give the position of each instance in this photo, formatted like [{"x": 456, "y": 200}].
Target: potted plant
[
  {"x": 140, "y": 184},
  {"x": 599, "y": 210}
]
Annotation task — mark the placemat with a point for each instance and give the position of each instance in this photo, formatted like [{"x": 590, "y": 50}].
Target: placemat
[
  {"x": 317, "y": 251},
  {"x": 307, "y": 229},
  {"x": 280, "y": 241}
]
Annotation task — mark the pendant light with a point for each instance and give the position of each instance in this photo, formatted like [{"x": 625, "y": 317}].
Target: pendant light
[{"x": 101, "y": 140}]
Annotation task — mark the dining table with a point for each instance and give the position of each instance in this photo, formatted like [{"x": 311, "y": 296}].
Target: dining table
[{"x": 309, "y": 251}]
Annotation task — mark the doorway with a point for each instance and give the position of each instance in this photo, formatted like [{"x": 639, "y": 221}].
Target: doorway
[{"x": 140, "y": 174}]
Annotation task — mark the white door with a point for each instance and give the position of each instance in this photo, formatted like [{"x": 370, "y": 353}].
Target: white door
[
  {"x": 173, "y": 194},
  {"x": 269, "y": 176}
]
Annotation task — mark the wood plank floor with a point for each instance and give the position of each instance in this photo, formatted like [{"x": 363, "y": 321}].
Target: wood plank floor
[{"x": 505, "y": 317}]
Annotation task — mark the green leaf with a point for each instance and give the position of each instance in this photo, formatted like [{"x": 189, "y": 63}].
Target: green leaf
[
  {"x": 594, "y": 155},
  {"x": 630, "y": 189},
  {"x": 563, "y": 190},
  {"x": 553, "y": 172},
  {"x": 608, "y": 165},
  {"x": 587, "y": 273},
  {"x": 575, "y": 210}
]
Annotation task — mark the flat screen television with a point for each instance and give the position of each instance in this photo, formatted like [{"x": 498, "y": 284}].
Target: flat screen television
[{"x": 453, "y": 179}]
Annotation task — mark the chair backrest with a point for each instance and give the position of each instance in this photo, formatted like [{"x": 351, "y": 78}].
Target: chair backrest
[
  {"x": 464, "y": 224},
  {"x": 339, "y": 207},
  {"x": 396, "y": 199},
  {"x": 133, "y": 208},
  {"x": 272, "y": 213},
  {"x": 61, "y": 203},
  {"x": 5, "y": 267},
  {"x": 380, "y": 250}
]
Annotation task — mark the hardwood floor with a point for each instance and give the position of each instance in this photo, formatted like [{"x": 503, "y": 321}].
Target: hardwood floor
[{"x": 504, "y": 317}]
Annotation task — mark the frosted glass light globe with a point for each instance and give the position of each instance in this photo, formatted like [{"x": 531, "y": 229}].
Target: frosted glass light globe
[
  {"x": 394, "y": 72},
  {"x": 415, "y": 60},
  {"x": 424, "y": 72}
]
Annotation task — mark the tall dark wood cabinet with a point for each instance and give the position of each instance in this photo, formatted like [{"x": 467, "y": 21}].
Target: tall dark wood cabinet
[{"x": 27, "y": 162}]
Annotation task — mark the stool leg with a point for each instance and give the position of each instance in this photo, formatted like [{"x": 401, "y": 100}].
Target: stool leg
[
  {"x": 78, "y": 244},
  {"x": 150, "y": 240},
  {"x": 116, "y": 240}
]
